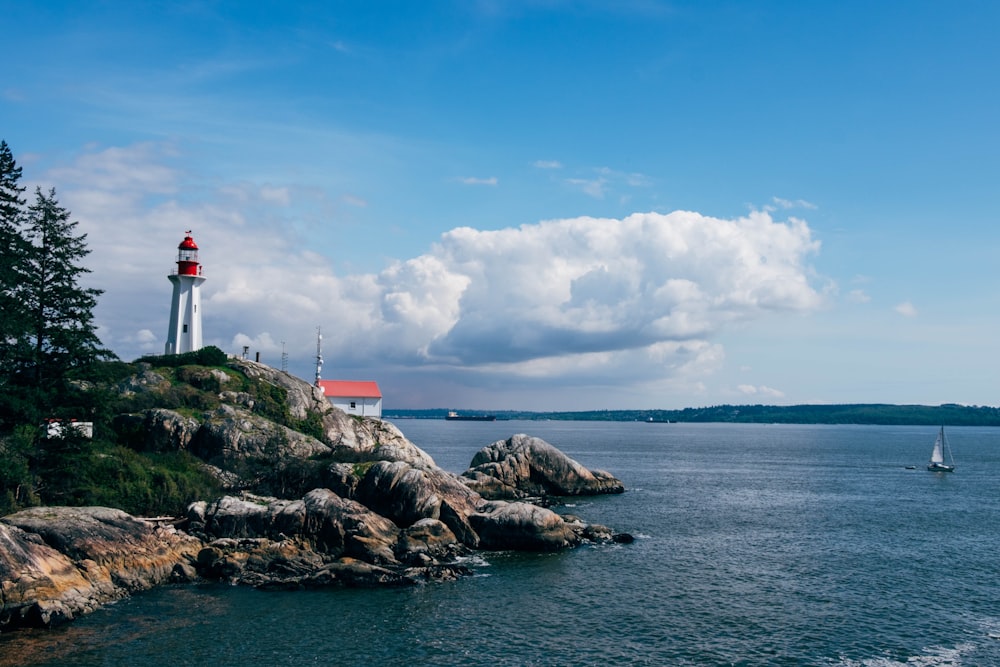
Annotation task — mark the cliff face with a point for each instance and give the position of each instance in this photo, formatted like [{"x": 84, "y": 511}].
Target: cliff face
[{"x": 350, "y": 501}]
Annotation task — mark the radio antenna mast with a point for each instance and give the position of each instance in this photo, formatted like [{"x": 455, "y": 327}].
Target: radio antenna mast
[{"x": 319, "y": 354}]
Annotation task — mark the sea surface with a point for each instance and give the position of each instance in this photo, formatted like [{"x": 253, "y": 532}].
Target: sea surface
[{"x": 757, "y": 545}]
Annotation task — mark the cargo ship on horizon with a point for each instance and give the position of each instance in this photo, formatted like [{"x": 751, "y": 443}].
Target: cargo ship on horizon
[{"x": 453, "y": 416}]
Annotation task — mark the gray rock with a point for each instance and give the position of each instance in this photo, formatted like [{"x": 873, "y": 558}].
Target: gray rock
[
  {"x": 522, "y": 526},
  {"x": 144, "y": 381},
  {"x": 356, "y": 439},
  {"x": 156, "y": 430},
  {"x": 524, "y": 466},
  {"x": 303, "y": 398},
  {"x": 232, "y": 437},
  {"x": 330, "y": 524},
  {"x": 407, "y": 494},
  {"x": 353, "y": 439}
]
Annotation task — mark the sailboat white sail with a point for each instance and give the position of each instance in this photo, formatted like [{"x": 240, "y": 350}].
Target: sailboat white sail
[{"x": 937, "y": 462}]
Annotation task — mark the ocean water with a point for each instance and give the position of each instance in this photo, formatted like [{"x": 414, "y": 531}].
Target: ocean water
[{"x": 757, "y": 545}]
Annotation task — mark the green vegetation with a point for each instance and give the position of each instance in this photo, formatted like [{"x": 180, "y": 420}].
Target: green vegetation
[
  {"x": 207, "y": 356},
  {"x": 879, "y": 414},
  {"x": 54, "y": 367},
  {"x": 109, "y": 469},
  {"x": 114, "y": 467}
]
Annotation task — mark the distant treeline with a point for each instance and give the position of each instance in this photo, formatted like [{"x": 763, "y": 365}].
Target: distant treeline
[{"x": 872, "y": 413}]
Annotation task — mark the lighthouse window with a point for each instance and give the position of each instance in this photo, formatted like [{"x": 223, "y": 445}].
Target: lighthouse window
[
  {"x": 185, "y": 329},
  {"x": 353, "y": 405}
]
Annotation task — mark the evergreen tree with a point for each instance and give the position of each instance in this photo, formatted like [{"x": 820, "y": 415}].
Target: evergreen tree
[
  {"x": 13, "y": 249},
  {"x": 62, "y": 334},
  {"x": 11, "y": 202}
]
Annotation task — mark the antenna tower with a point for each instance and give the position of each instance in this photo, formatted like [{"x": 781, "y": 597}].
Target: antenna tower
[
  {"x": 319, "y": 354},
  {"x": 284, "y": 358}
]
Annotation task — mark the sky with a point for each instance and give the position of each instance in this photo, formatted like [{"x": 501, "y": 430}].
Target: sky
[{"x": 537, "y": 204}]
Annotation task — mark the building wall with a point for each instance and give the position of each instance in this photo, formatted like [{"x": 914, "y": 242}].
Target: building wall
[
  {"x": 354, "y": 405},
  {"x": 184, "y": 333}
]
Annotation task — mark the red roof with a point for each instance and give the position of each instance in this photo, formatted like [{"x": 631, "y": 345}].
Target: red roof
[{"x": 350, "y": 389}]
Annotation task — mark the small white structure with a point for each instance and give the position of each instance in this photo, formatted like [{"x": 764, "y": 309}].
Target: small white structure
[
  {"x": 184, "y": 334},
  {"x": 56, "y": 428},
  {"x": 355, "y": 398}
]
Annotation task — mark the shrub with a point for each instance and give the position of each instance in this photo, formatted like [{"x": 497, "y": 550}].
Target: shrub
[{"x": 206, "y": 356}]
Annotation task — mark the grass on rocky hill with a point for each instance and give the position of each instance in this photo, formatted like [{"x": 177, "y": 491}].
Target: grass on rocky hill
[{"x": 111, "y": 469}]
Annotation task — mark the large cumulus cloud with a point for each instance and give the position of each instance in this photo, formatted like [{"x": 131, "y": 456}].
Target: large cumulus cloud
[
  {"x": 586, "y": 285},
  {"x": 586, "y": 301}
]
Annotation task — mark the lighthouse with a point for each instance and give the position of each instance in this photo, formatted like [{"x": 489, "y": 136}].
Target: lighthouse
[{"x": 184, "y": 334}]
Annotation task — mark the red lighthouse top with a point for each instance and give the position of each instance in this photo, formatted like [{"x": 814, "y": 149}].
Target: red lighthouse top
[{"x": 187, "y": 257}]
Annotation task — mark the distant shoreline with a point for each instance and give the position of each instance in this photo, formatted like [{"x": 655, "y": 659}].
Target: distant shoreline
[{"x": 949, "y": 414}]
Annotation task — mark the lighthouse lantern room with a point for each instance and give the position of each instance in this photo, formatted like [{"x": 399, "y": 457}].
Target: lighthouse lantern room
[{"x": 184, "y": 334}]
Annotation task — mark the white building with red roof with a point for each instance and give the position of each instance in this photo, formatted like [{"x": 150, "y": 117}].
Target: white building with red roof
[{"x": 362, "y": 398}]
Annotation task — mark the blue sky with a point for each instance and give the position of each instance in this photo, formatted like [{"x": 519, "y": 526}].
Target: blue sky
[{"x": 538, "y": 204}]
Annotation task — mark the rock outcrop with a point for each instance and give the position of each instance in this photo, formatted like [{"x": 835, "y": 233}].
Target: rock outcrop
[
  {"x": 525, "y": 527},
  {"x": 59, "y": 562},
  {"x": 350, "y": 438},
  {"x": 350, "y": 501},
  {"x": 524, "y": 466},
  {"x": 321, "y": 539},
  {"x": 407, "y": 494},
  {"x": 241, "y": 442},
  {"x": 230, "y": 436}
]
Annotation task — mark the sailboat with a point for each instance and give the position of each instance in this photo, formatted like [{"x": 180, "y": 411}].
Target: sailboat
[{"x": 937, "y": 463}]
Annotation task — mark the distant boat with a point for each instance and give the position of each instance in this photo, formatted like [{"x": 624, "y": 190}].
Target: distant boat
[
  {"x": 941, "y": 446},
  {"x": 453, "y": 416}
]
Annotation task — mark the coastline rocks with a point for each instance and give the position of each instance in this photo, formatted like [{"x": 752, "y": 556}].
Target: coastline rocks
[
  {"x": 383, "y": 513},
  {"x": 523, "y": 526},
  {"x": 320, "y": 540},
  {"x": 331, "y": 525},
  {"x": 407, "y": 494},
  {"x": 58, "y": 562},
  {"x": 524, "y": 466}
]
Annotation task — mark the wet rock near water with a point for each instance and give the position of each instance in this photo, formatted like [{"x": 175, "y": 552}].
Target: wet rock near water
[
  {"x": 359, "y": 505},
  {"x": 59, "y": 562},
  {"x": 524, "y": 466}
]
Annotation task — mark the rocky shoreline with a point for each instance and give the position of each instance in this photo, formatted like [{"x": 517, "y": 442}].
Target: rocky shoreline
[
  {"x": 376, "y": 512},
  {"x": 59, "y": 562}
]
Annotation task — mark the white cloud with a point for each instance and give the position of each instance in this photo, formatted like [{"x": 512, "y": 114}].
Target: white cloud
[
  {"x": 760, "y": 390},
  {"x": 354, "y": 201},
  {"x": 607, "y": 181},
  {"x": 275, "y": 195},
  {"x": 858, "y": 296},
  {"x": 471, "y": 180},
  {"x": 594, "y": 187},
  {"x": 906, "y": 309},
  {"x": 785, "y": 204},
  {"x": 548, "y": 164},
  {"x": 600, "y": 302},
  {"x": 134, "y": 169}
]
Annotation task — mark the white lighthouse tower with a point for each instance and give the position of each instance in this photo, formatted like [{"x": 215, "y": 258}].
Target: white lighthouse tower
[{"x": 184, "y": 334}]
